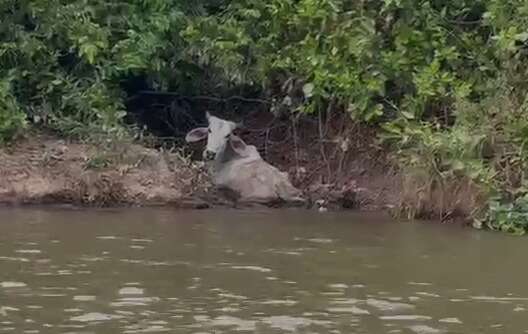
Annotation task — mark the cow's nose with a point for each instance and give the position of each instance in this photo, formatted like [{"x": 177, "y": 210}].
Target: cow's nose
[{"x": 208, "y": 155}]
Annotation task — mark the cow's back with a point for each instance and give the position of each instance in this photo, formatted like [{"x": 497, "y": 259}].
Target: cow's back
[{"x": 255, "y": 179}]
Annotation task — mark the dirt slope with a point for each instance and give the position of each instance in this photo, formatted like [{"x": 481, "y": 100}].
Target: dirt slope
[
  {"x": 341, "y": 168},
  {"x": 42, "y": 169}
]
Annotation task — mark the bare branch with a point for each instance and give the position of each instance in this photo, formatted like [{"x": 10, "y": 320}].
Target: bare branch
[{"x": 198, "y": 97}]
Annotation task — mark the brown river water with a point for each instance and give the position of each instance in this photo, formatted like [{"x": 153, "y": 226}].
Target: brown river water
[{"x": 198, "y": 272}]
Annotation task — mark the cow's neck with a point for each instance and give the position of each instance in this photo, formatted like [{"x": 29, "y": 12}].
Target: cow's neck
[
  {"x": 228, "y": 154},
  {"x": 225, "y": 159}
]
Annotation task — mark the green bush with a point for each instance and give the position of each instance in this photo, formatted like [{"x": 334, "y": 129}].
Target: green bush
[
  {"x": 68, "y": 59},
  {"x": 12, "y": 118},
  {"x": 511, "y": 217},
  {"x": 379, "y": 59}
]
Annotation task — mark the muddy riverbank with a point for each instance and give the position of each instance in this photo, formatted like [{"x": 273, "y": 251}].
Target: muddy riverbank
[{"x": 42, "y": 168}]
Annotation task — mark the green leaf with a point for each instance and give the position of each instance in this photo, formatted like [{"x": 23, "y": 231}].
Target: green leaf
[
  {"x": 308, "y": 90},
  {"x": 407, "y": 114},
  {"x": 522, "y": 36}
]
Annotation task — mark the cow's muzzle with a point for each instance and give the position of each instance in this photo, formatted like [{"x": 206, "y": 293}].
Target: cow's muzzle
[{"x": 208, "y": 155}]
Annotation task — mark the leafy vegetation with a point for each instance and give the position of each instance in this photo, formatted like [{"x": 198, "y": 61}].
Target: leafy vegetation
[
  {"x": 445, "y": 80},
  {"x": 12, "y": 119},
  {"x": 508, "y": 217},
  {"x": 65, "y": 61}
]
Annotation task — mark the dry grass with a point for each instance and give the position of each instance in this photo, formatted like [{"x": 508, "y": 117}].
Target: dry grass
[{"x": 450, "y": 200}]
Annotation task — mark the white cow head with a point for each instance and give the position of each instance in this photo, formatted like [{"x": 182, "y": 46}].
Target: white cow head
[{"x": 219, "y": 135}]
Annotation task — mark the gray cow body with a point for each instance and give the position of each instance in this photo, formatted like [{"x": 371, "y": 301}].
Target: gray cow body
[{"x": 239, "y": 169}]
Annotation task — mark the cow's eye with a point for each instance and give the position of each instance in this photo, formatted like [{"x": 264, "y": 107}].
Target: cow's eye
[
  {"x": 227, "y": 136},
  {"x": 209, "y": 130}
]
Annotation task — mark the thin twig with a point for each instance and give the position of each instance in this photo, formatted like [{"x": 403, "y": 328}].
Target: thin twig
[
  {"x": 322, "y": 148},
  {"x": 266, "y": 142},
  {"x": 198, "y": 97},
  {"x": 296, "y": 147},
  {"x": 463, "y": 22}
]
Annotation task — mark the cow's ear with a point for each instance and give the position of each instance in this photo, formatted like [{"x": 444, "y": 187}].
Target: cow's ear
[
  {"x": 196, "y": 135},
  {"x": 238, "y": 145}
]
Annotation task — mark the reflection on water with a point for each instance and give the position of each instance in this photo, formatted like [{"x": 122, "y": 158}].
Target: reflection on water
[{"x": 155, "y": 271}]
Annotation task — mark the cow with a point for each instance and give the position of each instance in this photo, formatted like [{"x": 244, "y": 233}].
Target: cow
[{"x": 239, "y": 169}]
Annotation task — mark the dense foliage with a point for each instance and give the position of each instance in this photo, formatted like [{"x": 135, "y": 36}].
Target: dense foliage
[
  {"x": 62, "y": 62},
  {"x": 445, "y": 79}
]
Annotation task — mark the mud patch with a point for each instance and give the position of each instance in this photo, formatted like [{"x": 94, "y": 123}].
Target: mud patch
[{"x": 42, "y": 169}]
